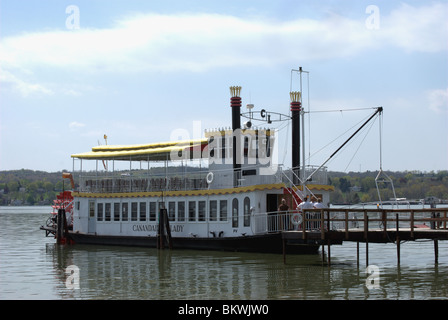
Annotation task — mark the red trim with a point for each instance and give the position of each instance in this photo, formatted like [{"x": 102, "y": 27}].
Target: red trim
[
  {"x": 296, "y": 106},
  {"x": 235, "y": 102}
]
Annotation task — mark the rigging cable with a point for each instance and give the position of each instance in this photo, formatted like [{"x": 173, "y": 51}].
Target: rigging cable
[
  {"x": 343, "y": 110},
  {"x": 365, "y": 136},
  {"x": 345, "y": 132}
]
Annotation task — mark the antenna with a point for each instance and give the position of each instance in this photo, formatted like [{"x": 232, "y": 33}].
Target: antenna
[{"x": 386, "y": 178}]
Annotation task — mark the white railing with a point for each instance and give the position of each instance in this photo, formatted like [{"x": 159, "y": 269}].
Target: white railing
[
  {"x": 311, "y": 220},
  {"x": 278, "y": 221}
]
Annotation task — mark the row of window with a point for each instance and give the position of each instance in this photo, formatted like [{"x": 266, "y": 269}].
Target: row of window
[{"x": 177, "y": 211}]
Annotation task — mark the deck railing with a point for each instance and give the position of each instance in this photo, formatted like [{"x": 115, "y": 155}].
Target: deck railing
[
  {"x": 147, "y": 181},
  {"x": 344, "y": 219}
]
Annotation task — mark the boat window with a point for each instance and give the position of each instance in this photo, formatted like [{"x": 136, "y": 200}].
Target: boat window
[
  {"x": 142, "y": 211},
  {"x": 192, "y": 211},
  {"x": 223, "y": 210},
  {"x": 107, "y": 212},
  {"x": 181, "y": 211},
  {"x": 116, "y": 211},
  {"x": 171, "y": 211},
  {"x": 246, "y": 212},
  {"x": 213, "y": 207},
  {"x": 134, "y": 211},
  {"x": 152, "y": 211},
  {"x": 235, "y": 213},
  {"x": 91, "y": 209},
  {"x": 201, "y": 210},
  {"x": 99, "y": 216},
  {"x": 124, "y": 211}
]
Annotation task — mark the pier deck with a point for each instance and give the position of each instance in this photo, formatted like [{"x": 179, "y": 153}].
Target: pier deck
[{"x": 334, "y": 226}]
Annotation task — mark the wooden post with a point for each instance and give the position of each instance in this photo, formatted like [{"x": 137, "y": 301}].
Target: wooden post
[
  {"x": 398, "y": 239},
  {"x": 60, "y": 226},
  {"x": 436, "y": 251},
  {"x": 384, "y": 218},
  {"x": 367, "y": 252},
  {"x": 304, "y": 225},
  {"x": 357, "y": 254},
  {"x": 329, "y": 254},
  {"x": 166, "y": 224},
  {"x": 366, "y": 235},
  {"x": 444, "y": 222},
  {"x": 322, "y": 225},
  {"x": 366, "y": 224},
  {"x": 161, "y": 230},
  {"x": 323, "y": 254},
  {"x": 346, "y": 224},
  {"x": 412, "y": 224}
]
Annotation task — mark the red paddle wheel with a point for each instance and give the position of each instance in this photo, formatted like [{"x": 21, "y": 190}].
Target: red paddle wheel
[
  {"x": 61, "y": 219},
  {"x": 64, "y": 200}
]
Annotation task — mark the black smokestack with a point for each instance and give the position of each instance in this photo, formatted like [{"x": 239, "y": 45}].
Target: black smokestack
[
  {"x": 235, "y": 104},
  {"x": 296, "y": 107}
]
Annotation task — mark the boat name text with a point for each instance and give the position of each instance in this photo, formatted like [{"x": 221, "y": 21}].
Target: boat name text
[{"x": 151, "y": 227}]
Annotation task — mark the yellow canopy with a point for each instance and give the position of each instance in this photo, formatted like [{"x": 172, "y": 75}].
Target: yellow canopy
[{"x": 173, "y": 150}]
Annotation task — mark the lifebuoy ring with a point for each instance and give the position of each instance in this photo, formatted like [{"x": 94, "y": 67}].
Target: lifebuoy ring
[
  {"x": 209, "y": 177},
  {"x": 296, "y": 219}
]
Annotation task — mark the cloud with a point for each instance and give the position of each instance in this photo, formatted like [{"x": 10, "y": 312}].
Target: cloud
[
  {"x": 200, "y": 42},
  {"x": 24, "y": 87},
  {"x": 75, "y": 125},
  {"x": 438, "y": 100},
  {"x": 421, "y": 29}
]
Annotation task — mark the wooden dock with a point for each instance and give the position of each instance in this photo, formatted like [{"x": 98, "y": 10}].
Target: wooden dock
[{"x": 334, "y": 226}]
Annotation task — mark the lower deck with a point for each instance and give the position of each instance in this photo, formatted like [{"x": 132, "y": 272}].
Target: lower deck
[
  {"x": 237, "y": 213},
  {"x": 267, "y": 243}
]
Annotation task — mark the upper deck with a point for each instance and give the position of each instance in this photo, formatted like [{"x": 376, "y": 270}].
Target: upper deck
[
  {"x": 184, "y": 179},
  {"x": 224, "y": 159}
]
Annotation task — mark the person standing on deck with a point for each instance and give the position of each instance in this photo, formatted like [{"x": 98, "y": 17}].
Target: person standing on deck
[
  {"x": 318, "y": 205},
  {"x": 283, "y": 206},
  {"x": 306, "y": 204},
  {"x": 283, "y": 213}
]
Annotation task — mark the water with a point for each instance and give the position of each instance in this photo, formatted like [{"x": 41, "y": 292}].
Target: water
[{"x": 34, "y": 267}]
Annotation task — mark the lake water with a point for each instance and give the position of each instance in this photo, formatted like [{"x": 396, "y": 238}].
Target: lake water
[{"x": 34, "y": 267}]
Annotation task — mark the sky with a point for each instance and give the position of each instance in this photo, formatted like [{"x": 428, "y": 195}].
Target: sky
[{"x": 153, "y": 71}]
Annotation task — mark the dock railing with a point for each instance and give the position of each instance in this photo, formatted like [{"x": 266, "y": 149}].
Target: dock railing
[{"x": 344, "y": 220}]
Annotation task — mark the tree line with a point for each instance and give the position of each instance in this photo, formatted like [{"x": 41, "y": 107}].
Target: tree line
[
  {"x": 356, "y": 187},
  {"x": 28, "y": 187}
]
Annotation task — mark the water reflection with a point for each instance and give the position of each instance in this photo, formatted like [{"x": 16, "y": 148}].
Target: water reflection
[
  {"x": 33, "y": 267},
  {"x": 140, "y": 273}
]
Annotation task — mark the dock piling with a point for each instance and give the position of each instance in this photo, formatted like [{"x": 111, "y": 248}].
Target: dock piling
[
  {"x": 436, "y": 251},
  {"x": 398, "y": 238}
]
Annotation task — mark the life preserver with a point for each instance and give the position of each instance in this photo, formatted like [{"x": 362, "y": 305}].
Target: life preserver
[
  {"x": 209, "y": 177},
  {"x": 296, "y": 219}
]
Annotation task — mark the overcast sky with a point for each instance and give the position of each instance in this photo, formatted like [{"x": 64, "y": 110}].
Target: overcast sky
[{"x": 143, "y": 71}]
